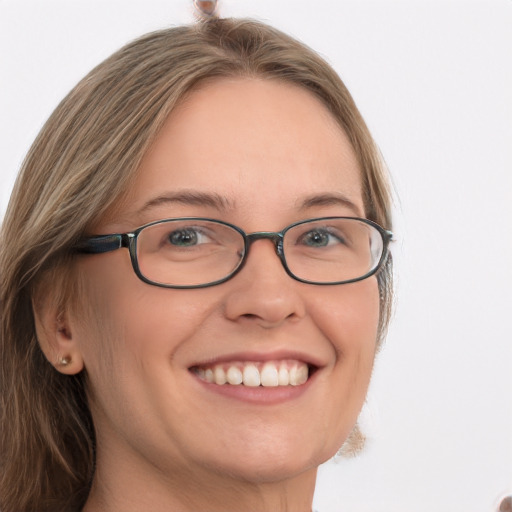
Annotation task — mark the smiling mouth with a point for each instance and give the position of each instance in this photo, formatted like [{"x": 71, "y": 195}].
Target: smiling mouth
[{"x": 255, "y": 374}]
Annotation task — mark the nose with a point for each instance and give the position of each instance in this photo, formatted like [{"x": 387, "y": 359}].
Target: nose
[{"x": 262, "y": 292}]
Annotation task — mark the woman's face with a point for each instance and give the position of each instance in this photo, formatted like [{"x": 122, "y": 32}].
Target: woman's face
[{"x": 261, "y": 155}]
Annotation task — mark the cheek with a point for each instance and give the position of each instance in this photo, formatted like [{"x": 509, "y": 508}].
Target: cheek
[
  {"x": 348, "y": 315},
  {"x": 125, "y": 323},
  {"x": 349, "y": 318}
]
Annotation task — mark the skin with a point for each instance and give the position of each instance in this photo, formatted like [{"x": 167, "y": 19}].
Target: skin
[{"x": 165, "y": 442}]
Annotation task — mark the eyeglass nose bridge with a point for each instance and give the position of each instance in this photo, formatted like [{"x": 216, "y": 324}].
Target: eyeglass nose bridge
[{"x": 275, "y": 238}]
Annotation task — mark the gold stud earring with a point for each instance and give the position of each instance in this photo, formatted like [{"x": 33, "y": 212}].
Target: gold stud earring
[{"x": 64, "y": 361}]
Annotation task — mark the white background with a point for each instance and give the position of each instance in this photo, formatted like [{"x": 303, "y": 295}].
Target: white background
[{"x": 434, "y": 82}]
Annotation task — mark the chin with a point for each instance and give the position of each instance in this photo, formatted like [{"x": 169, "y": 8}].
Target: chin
[{"x": 261, "y": 463}]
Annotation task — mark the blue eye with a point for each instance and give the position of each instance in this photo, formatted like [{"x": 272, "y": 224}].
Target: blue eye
[
  {"x": 319, "y": 238},
  {"x": 185, "y": 237}
]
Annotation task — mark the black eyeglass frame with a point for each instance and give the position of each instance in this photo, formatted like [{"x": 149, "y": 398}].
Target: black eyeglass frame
[{"x": 107, "y": 243}]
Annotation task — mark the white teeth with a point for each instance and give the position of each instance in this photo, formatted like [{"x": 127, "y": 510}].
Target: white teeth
[
  {"x": 269, "y": 374},
  {"x": 303, "y": 374},
  {"x": 219, "y": 375},
  {"x": 298, "y": 376},
  {"x": 284, "y": 376},
  {"x": 234, "y": 376},
  {"x": 251, "y": 376}
]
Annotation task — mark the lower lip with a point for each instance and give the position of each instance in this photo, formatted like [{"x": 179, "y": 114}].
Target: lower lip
[{"x": 260, "y": 395}]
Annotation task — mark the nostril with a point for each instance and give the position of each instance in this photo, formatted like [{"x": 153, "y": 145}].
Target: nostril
[{"x": 250, "y": 316}]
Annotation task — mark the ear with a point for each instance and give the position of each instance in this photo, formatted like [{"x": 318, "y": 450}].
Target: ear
[{"x": 55, "y": 332}]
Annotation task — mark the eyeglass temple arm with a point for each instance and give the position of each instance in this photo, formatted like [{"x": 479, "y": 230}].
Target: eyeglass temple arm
[{"x": 102, "y": 244}]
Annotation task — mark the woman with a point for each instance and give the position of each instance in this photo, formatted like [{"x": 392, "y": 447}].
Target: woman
[{"x": 195, "y": 280}]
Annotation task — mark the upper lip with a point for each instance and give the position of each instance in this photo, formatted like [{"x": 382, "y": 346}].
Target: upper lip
[{"x": 255, "y": 356}]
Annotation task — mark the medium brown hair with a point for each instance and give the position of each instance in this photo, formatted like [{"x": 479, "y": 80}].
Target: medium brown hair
[{"x": 79, "y": 166}]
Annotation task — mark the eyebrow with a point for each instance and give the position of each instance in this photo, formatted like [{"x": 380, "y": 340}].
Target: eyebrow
[
  {"x": 218, "y": 202},
  {"x": 188, "y": 198},
  {"x": 330, "y": 200}
]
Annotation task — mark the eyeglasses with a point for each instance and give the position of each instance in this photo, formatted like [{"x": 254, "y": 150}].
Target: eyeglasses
[{"x": 199, "y": 252}]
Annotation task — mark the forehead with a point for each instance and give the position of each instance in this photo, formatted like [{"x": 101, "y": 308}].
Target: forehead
[{"x": 262, "y": 145}]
